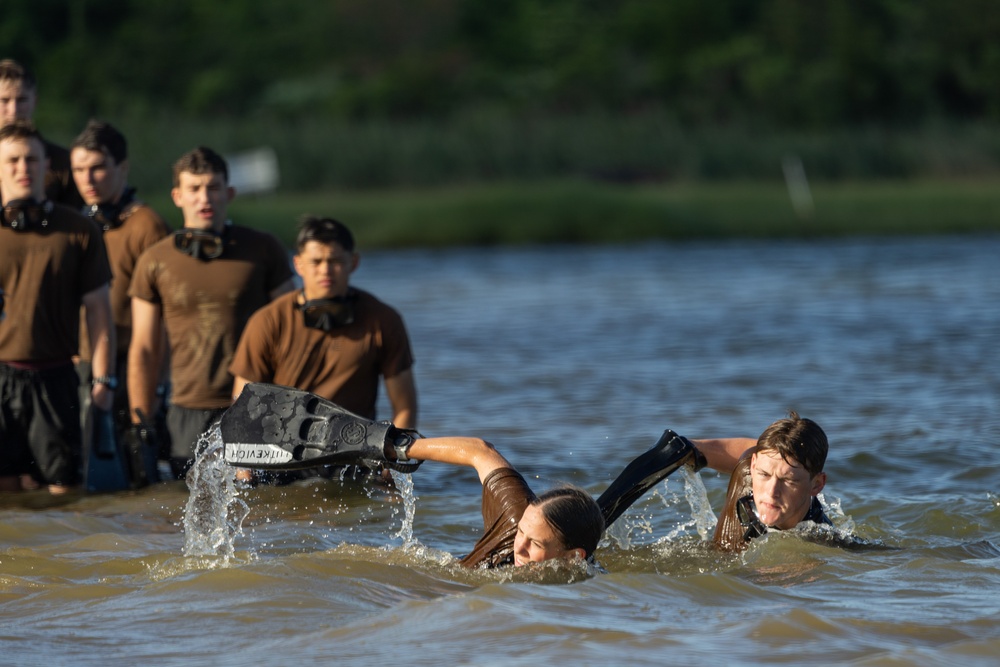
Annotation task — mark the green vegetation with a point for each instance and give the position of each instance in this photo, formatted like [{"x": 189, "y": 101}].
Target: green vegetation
[
  {"x": 582, "y": 212},
  {"x": 816, "y": 63},
  {"x": 641, "y": 148},
  {"x": 465, "y": 121}
]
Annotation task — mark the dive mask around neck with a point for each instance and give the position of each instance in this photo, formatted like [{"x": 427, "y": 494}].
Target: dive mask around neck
[
  {"x": 329, "y": 314},
  {"x": 746, "y": 511},
  {"x": 24, "y": 215},
  {"x": 203, "y": 244},
  {"x": 112, "y": 216}
]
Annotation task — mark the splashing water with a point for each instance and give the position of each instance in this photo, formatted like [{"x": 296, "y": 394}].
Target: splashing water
[
  {"x": 703, "y": 519},
  {"x": 404, "y": 484},
  {"x": 701, "y": 507},
  {"x": 214, "y": 514}
]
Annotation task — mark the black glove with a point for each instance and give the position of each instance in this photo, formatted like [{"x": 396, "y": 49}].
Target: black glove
[
  {"x": 698, "y": 461},
  {"x": 142, "y": 445}
]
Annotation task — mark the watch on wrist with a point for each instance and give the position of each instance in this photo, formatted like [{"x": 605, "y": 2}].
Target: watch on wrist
[{"x": 109, "y": 381}]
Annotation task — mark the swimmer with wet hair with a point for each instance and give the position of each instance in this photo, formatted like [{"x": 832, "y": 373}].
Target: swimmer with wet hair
[{"x": 520, "y": 527}]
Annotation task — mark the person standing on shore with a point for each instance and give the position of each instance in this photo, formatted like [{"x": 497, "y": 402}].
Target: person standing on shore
[
  {"x": 100, "y": 163},
  {"x": 52, "y": 262},
  {"x": 201, "y": 284},
  {"x": 330, "y": 338},
  {"x": 18, "y": 96}
]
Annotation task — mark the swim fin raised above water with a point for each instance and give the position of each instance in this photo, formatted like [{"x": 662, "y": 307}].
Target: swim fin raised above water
[
  {"x": 270, "y": 427},
  {"x": 669, "y": 453}
]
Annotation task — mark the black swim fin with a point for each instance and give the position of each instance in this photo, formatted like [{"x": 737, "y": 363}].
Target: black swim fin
[
  {"x": 270, "y": 427},
  {"x": 669, "y": 453},
  {"x": 105, "y": 468}
]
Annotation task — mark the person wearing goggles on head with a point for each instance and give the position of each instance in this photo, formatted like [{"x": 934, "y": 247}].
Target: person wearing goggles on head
[
  {"x": 18, "y": 97},
  {"x": 100, "y": 164},
  {"x": 200, "y": 285},
  {"x": 330, "y": 338},
  {"x": 52, "y": 262}
]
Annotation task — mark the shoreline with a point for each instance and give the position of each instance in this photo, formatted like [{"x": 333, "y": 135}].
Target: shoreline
[{"x": 577, "y": 211}]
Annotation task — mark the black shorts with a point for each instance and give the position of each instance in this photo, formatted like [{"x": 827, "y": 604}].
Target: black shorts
[
  {"x": 40, "y": 424},
  {"x": 185, "y": 426}
]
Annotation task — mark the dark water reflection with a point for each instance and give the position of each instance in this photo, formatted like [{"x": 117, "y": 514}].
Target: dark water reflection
[{"x": 573, "y": 360}]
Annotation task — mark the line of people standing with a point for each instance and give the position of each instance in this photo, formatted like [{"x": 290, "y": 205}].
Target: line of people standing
[
  {"x": 162, "y": 312},
  {"x": 83, "y": 259}
]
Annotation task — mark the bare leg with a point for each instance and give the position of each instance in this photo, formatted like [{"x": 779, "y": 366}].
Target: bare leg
[{"x": 10, "y": 484}]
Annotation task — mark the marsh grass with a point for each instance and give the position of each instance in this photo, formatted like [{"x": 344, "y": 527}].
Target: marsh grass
[
  {"x": 586, "y": 212},
  {"x": 488, "y": 178},
  {"x": 487, "y": 147}
]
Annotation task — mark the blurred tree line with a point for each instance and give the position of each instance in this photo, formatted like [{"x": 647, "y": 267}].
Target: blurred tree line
[
  {"x": 797, "y": 62},
  {"x": 798, "y": 65}
]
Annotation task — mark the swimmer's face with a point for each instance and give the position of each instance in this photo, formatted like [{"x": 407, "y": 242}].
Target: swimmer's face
[
  {"x": 782, "y": 490},
  {"x": 536, "y": 541}
]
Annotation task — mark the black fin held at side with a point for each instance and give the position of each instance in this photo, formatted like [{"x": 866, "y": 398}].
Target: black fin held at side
[
  {"x": 270, "y": 427},
  {"x": 105, "y": 466},
  {"x": 669, "y": 453}
]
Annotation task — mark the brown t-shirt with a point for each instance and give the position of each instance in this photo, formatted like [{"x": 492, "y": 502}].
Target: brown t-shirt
[
  {"x": 505, "y": 497},
  {"x": 142, "y": 228},
  {"x": 59, "y": 184},
  {"x": 205, "y": 306},
  {"x": 342, "y": 366},
  {"x": 45, "y": 275}
]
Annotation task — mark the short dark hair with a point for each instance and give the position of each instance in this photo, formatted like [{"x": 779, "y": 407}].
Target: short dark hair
[
  {"x": 200, "y": 160},
  {"x": 21, "y": 129},
  {"x": 11, "y": 70},
  {"x": 796, "y": 438},
  {"x": 103, "y": 138},
  {"x": 325, "y": 231},
  {"x": 574, "y": 515}
]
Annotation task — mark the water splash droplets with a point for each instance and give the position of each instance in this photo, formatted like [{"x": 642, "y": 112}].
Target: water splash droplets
[
  {"x": 214, "y": 514},
  {"x": 404, "y": 484}
]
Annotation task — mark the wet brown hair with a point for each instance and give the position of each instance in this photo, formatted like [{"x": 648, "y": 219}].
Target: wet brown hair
[
  {"x": 20, "y": 129},
  {"x": 11, "y": 70},
  {"x": 574, "y": 516},
  {"x": 102, "y": 137},
  {"x": 324, "y": 230},
  {"x": 796, "y": 438},
  {"x": 200, "y": 160}
]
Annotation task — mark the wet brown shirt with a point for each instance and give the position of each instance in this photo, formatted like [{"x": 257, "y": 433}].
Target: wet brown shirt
[
  {"x": 45, "y": 275},
  {"x": 342, "y": 365},
  {"x": 205, "y": 306},
  {"x": 505, "y": 497},
  {"x": 142, "y": 228}
]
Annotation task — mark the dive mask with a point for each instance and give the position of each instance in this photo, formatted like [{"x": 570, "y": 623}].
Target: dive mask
[
  {"x": 201, "y": 244},
  {"x": 329, "y": 314},
  {"x": 26, "y": 214}
]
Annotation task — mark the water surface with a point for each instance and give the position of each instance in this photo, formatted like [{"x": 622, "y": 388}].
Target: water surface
[{"x": 572, "y": 360}]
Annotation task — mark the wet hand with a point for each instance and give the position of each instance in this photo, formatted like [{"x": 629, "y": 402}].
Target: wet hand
[{"x": 102, "y": 396}]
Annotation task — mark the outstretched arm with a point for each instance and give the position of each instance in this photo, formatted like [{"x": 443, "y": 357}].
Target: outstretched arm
[
  {"x": 723, "y": 454},
  {"x": 471, "y": 452}
]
